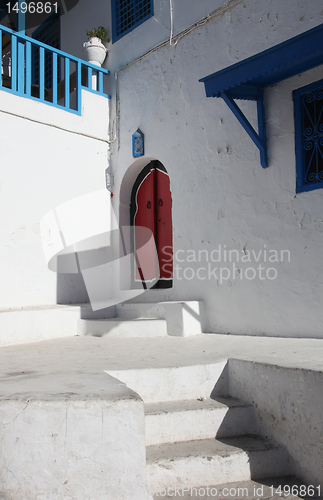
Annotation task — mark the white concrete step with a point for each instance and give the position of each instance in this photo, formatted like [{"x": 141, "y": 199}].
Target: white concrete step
[
  {"x": 172, "y": 383},
  {"x": 122, "y": 328},
  {"x": 183, "y": 317},
  {"x": 34, "y": 323},
  {"x": 174, "y": 421},
  {"x": 213, "y": 461},
  {"x": 269, "y": 489},
  {"x": 88, "y": 313}
]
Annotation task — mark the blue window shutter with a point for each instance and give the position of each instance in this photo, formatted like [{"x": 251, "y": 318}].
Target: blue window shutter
[{"x": 308, "y": 114}]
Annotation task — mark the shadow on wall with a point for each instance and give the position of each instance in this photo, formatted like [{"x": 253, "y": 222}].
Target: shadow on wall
[
  {"x": 240, "y": 429},
  {"x": 287, "y": 407},
  {"x": 71, "y": 289}
]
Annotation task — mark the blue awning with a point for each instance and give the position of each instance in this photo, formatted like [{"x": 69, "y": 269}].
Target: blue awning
[
  {"x": 248, "y": 78},
  {"x": 244, "y": 79}
]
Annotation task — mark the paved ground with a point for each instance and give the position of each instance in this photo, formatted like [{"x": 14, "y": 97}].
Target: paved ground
[
  {"x": 74, "y": 368},
  {"x": 75, "y": 365}
]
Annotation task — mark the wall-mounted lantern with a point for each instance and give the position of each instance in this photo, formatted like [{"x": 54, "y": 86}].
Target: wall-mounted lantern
[{"x": 138, "y": 144}]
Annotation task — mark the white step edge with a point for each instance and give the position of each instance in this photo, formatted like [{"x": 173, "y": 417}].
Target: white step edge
[
  {"x": 183, "y": 317},
  {"x": 122, "y": 328},
  {"x": 169, "y": 422},
  {"x": 172, "y": 383},
  {"x": 35, "y": 323},
  {"x": 106, "y": 313},
  {"x": 212, "y": 461}
]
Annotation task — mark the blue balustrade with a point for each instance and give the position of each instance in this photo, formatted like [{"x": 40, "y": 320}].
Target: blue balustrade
[{"x": 43, "y": 73}]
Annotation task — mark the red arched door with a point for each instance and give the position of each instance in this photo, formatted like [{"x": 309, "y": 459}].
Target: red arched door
[{"x": 151, "y": 207}]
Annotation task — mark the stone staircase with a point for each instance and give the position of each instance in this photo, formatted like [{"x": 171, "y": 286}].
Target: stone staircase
[
  {"x": 177, "y": 318},
  {"x": 210, "y": 462},
  {"x": 194, "y": 442},
  {"x": 200, "y": 442}
]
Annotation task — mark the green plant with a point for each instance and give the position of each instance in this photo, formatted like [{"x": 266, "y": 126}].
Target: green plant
[{"x": 99, "y": 32}]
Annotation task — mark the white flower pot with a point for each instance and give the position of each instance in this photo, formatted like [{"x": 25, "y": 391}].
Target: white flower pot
[{"x": 95, "y": 51}]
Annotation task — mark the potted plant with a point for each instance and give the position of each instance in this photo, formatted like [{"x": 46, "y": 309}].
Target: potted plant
[{"x": 95, "y": 50}]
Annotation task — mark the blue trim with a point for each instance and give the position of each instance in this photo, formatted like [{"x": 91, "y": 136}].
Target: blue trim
[
  {"x": 135, "y": 23},
  {"x": 287, "y": 59},
  {"x": 298, "y": 141},
  {"x": 259, "y": 139},
  {"x": 79, "y": 85},
  {"x": 21, "y": 76},
  {"x": 309, "y": 187},
  {"x": 301, "y": 184},
  {"x": 55, "y": 76},
  {"x": 138, "y": 143},
  {"x": 44, "y": 102},
  {"x": 262, "y": 130},
  {"x": 67, "y": 82},
  {"x": 247, "y": 79},
  {"x": 100, "y": 82},
  {"x": 14, "y": 64}
]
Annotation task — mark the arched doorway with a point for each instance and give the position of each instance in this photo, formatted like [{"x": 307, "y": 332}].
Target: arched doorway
[{"x": 151, "y": 207}]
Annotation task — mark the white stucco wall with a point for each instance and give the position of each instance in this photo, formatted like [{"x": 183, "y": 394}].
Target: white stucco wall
[
  {"x": 153, "y": 31},
  {"x": 221, "y": 194},
  {"x": 48, "y": 157},
  {"x": 289, "y": 408},
  {"x": 71, "y": 438}
]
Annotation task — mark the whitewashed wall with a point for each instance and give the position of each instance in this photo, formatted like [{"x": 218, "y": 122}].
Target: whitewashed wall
[
  {"x": 221, "y": 194},
  {"x": 153, "y": 31},
  {"x": 289, "y": 409},
  {"x": 48, "y": 157}
]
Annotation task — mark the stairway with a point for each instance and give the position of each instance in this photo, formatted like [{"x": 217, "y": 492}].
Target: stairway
[
  {"x": 188, "y": 446},
  {"x": 177, "y": 318},
  {"x": 199, "y": 444}
]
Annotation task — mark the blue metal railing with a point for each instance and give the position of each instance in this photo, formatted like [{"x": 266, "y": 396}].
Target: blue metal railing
[{"x": 59, "y": 79}]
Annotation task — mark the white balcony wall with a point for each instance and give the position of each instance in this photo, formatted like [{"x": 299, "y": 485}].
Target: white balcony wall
[{"x": 48, "y": 157}]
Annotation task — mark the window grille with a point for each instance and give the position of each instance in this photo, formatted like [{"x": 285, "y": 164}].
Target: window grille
[
  {"x": 128, "y": 14},
  {"x": 308, "y": 106}
]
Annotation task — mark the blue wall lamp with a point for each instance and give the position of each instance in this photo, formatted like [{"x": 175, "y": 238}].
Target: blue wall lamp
[{"x": 138, "y": 144}]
